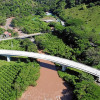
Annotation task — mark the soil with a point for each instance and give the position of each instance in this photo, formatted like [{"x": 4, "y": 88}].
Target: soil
[{"x": 49, "y": 86}]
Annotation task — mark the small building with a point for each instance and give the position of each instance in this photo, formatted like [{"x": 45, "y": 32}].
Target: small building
[
  {"x": 48, "y": 20},
  {"x": 52, "y": 28},
  {"x": 7, "y": 34},
  {"x": 48, "y": 13}
]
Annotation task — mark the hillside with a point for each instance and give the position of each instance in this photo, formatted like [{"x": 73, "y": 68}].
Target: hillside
[
  {"x": 15, "y": 8},
  {"x": 91, "y": 16}
]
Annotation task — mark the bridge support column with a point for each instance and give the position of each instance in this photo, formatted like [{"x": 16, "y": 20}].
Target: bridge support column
[
  {"x": 8, "y": 58},
  {"x": 98, "y": 79},
  {"x": 63, "y": 68}
]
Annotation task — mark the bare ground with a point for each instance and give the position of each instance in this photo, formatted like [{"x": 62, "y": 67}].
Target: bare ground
[
  {"x": 8, "y": 26},
  {"x": 49, "y": 86}
]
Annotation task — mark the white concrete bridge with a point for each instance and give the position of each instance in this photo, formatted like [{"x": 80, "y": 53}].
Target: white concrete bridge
[
  {"x": 64, "y": 62},
  {"x": 21, "y": 37}
]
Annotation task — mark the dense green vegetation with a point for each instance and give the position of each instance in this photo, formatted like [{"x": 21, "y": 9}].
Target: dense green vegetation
[
  {"x": 83, "y": 84},
  {"x": 30, "y": 24},
  {"x": 81, "y": 32},
  {"x": 17, "y": 7},
  {"x": 2, "y": 20},
  {"x": 79, "y": 40},
  {"x": 15, "y": 77},
  {"x": 18, "y": 44},
  {"x": 1, "y": 31},
  {"x": 54, "y": 46}
]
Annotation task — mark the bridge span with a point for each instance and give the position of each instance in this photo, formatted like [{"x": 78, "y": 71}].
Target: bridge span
[
  {"x": 63, "y": 62},
  {"x": 22, "y": 37}
]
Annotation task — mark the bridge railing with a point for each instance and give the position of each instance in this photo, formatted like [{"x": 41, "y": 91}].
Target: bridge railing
[{"x": 61, "y": 61}]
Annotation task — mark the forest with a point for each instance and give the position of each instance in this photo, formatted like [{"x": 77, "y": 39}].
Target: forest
[{"x": 78, "y": 40}]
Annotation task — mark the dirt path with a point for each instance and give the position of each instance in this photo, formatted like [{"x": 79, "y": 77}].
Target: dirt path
[
  {"x": 8, "y": 26},
  {"x": 49, "y": 86},
  {"x": 20, "y": 33}
]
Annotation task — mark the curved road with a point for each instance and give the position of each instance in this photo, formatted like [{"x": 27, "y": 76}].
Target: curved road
[{"x": 61, "y": 61}]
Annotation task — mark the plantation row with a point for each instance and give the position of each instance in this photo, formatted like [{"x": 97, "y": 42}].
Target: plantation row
[
  {"x": 8, "y": 74},
  {"x": 15, "y": 77}
]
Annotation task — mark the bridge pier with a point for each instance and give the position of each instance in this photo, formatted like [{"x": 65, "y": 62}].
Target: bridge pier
[
  {"x": 98, "y": 79},
  {"x": 8, "y": 58},
  {"x": 63, "y": 68}
]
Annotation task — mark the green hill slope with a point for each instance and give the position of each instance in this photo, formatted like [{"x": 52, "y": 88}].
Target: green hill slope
[{"x": 91, "y": 16}]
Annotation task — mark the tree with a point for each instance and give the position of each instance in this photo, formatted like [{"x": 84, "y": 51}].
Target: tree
[{"x": 93, "y": 55}]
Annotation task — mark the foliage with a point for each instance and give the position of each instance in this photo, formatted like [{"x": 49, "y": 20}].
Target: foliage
[
  {"x": 18, "y": 44},
  {"x": 54, "y": 46},
  {"x": 30, "y": 24},
  {"x": 81, "y": 31},
  {"x": 93, "y": 56},
  {"x": 2, "y": 19},
  {"x": 29, "y": 46},
  {"x": 15, "y": 77},
  {"x": 1, "y": 31},
  {"x": 83, "y": 84},
  {"x": 17, "y": 7},
  {"x": 87, "y": 91},
  {"x": 68, "y": 78},
  {"x": 88, "y": 16}
]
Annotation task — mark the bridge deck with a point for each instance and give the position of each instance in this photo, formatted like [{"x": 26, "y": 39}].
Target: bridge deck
[{"x": 54, "y": 59}]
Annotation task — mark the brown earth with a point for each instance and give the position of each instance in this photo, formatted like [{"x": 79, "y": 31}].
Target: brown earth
[{"x": 49, "y": 86}]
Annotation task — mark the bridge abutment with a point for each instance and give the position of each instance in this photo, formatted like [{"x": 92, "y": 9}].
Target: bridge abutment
[{"x": 8, "y": 58}]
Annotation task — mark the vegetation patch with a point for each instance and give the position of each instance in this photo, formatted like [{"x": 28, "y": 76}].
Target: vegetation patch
[
  {"x": 16, "y": 77},
  {"x": 83, "y": 84},
  {"x": 18, "y": 44},
  {"x": 53, "y": 45},
  {"x": 30, "y": 24}
]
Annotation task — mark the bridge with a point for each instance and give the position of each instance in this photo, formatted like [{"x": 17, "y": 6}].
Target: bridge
[
  {"x": 21, "y": 37},
  {"x": 63, "y": 62}
]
